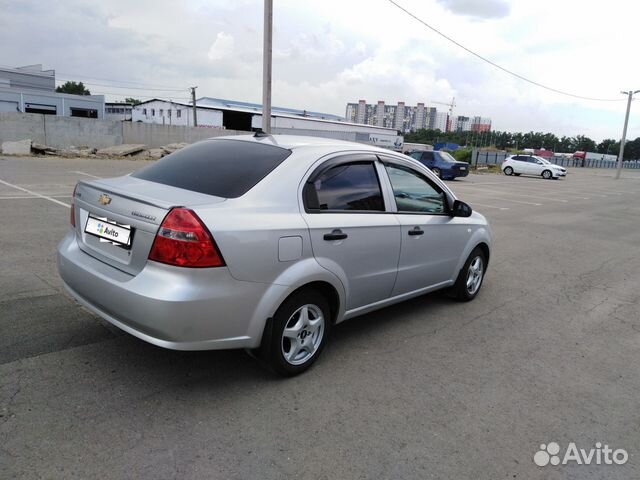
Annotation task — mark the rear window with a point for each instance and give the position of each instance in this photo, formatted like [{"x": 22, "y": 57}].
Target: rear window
[{"x": 224, "y": 168}]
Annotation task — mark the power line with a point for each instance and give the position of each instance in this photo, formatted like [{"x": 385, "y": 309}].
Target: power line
[
  {"x": 128, "y": 87},
  {"x": 510, "y": 72}
]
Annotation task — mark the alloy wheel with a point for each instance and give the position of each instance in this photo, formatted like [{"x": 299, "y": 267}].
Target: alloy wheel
[
  {"x": 474, "y": 275},
  {"x": 302, "y": 334}
]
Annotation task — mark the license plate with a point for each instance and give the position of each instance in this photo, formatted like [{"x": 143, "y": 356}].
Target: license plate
[
  {"x": 108, "y": 231},
  {"x": 463, "y": 168}
]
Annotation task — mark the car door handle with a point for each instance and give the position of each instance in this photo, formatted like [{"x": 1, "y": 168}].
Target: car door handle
[
  {"x": 337, "y": 234},
  {"x": 416, "y": 231}
]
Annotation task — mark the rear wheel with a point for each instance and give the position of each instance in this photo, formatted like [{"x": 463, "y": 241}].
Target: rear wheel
[
  {"x": 437, "y": 172},
  {"x": 470, "y": 277},
  {"x": 300, "y": 331},
  {"x": 508, "y": 171},
  {"x": 547, "y": 174}
]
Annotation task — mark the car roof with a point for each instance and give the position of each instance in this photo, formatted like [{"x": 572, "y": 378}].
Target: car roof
[{"x": 297, "y": 142}]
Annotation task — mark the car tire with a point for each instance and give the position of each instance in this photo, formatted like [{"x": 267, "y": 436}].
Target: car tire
[
  {"x": 470, "y": 277},
  {"x": 303, "y": 318},
  {"x": 437, "y": 172},
  {"x": 508, "y": 171},
  {"x": 547, "y": 175}
]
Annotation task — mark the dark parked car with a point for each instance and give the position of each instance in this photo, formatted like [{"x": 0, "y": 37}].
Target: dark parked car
[{"x": 442, "y": 164}]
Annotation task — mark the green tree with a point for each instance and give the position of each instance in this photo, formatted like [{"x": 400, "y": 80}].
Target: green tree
[
  {"x": 632, "y": 149},
  {"x": 73, "y": 88},
  {"x": 609, "y": 145},
  {"x": 132, "y": 101},
  {"x": 585, "y": 144}
]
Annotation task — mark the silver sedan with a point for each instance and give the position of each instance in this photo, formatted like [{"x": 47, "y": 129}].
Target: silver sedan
[{"x": 265, "y": 242}]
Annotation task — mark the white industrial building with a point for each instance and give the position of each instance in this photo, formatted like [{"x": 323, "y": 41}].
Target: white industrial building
[
  {"x": 31, "y": 89},
  {"x": 119, "y": 111},
  {"x": 165, "y": 112},
  {"x": 244, "y": 116}
]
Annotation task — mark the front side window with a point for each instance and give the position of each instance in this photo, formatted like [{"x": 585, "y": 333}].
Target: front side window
[
  {"x": 427, "y": 156},
  {"x": 346, "y": 187},
  {"x": 413, "y": 192},
  {"x": 446, "y": 156}
]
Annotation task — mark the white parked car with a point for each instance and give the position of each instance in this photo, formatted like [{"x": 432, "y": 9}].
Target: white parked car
[{"x": 532, "y": 165}]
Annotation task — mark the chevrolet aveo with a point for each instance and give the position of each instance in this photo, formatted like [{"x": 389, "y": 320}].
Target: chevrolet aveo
[{"x": 265, "y": 242}]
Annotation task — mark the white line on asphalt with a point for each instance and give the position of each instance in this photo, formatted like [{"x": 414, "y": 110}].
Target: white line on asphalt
[
  {"x": 492, "y": 197},
  {"x": 489, "y": 206},
  {"x": 84, "y": 173},
  {"x": 508, "y": 194},
  {"x": 35, "y": 194},
  {"x": 28, "y": 197}
]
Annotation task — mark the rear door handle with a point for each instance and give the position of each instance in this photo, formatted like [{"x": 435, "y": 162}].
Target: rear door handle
[
  {"x": 336, "y": 234},
  {"x": 416, "y": 231}
]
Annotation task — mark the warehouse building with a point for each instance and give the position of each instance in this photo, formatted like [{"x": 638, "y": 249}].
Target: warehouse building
[
  {"x": 245, "y": 116},
  {"x": 31, "y": 89}
]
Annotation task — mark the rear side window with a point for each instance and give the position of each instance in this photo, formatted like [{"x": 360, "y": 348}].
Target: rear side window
[
  {"x": 346, "y": 187},
  {"x": 224, "y": 168}
]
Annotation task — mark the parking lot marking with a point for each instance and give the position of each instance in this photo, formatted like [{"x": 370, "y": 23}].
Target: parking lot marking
[
  {"x": 28, "y": 197},
  {"x": 489, "y": 206},
  {"x": 35, "y": 194},
  {"x": 496, "y": 192},
  {"x": 84, "y": 173},
  {"x": 493, "y": 197}
]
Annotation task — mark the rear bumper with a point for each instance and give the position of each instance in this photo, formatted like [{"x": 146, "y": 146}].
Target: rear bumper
[
  {"x": 455, "y": 173},
  {"x": 172, "y": 307}
]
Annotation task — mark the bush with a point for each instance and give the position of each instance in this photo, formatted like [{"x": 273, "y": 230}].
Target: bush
[{"x": 462, "y": 155}]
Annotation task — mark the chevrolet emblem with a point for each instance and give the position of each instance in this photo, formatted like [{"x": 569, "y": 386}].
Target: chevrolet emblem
[{"x": 104, "y": 199}]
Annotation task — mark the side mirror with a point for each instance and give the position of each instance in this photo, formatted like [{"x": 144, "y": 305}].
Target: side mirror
[{"x": 461, "y": 209}]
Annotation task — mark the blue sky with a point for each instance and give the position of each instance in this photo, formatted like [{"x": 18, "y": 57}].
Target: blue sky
[{"x": 330, "y": 52}]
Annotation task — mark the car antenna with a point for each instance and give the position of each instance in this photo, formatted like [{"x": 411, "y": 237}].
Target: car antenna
[{"x": 260, "y": 133}]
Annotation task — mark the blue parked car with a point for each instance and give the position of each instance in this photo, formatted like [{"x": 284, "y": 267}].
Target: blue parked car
[{"x": 442, "y": 164}]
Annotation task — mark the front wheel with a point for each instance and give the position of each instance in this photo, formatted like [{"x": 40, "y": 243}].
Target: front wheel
[
  {"x": 508, "y": 171},
  {"x": 470, "y": 277},
  {"x": 547, "y": 174},
  {"x": 300, "y": 331}
]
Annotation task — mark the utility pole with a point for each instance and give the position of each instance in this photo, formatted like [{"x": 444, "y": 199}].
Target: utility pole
[
  {"x": 193, "y": 100},
  {"x": 266, "y": 66},
  {"x": 624, "y": 132}
]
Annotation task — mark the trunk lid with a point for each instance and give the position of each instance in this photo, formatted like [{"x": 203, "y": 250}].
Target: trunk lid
[{"x": 132, "y": 208}]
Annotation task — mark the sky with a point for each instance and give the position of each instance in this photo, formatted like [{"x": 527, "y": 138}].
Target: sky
[{"x": 327, "y": 53}]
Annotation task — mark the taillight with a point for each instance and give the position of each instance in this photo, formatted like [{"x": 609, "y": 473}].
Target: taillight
[
  {"x": 184, "y": 241},
  {"x": 72, "y": 218}
]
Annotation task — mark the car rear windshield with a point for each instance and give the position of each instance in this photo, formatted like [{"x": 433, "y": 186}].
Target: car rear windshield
[{"x": 224, "y": 168}]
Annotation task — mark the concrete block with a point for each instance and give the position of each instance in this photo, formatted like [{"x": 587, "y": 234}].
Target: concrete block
[
  {"x": 21, "y": 147},
  {"x": 121, "y": 150}
]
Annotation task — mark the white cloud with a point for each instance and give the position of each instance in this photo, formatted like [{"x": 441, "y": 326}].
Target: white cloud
[
  {"x": 222, "y": 48},
  {"x": 478, "y": 9}
]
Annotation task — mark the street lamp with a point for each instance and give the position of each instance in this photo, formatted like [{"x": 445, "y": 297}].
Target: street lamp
[{"x": 624, "y": 131}]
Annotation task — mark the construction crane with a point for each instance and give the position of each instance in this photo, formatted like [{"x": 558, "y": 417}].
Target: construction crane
[{"x": 450, "y": 105}]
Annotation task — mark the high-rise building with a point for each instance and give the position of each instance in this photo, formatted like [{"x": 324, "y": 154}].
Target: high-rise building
[
  {"x": 441, "y": 122},
  {"x": 481, "y": 124},
  {"x": 409, "y": 119},
  {"x": 463, "y": 124}
]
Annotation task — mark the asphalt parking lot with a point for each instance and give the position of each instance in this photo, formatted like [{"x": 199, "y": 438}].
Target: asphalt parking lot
[{"x": 425, "y": 389}]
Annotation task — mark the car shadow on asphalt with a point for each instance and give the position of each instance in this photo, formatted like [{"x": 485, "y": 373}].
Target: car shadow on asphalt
[{"x": 134, "y": 358}]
